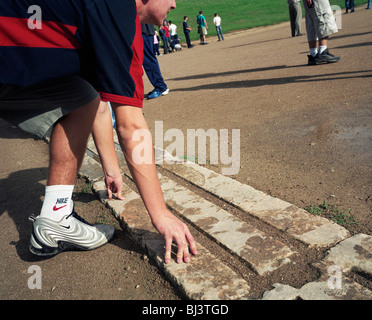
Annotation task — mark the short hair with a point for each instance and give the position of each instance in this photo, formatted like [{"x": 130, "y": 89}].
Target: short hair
[
  {"x": 200, "y": 12},
  {"x": 184, "y": 17}
]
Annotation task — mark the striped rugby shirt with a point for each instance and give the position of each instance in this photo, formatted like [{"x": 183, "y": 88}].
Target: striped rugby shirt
[{"x": 99, "y": 40}]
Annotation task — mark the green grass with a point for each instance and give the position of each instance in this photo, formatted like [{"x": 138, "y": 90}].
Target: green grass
[
  {"x": 332, "y": 212},
  {"x": 235, "y": 14},
  {"x": 87, "y": 187}
]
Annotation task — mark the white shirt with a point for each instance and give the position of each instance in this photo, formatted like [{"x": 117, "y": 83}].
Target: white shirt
[
  {"x": 172, "y": 29},
  {"x": 217, "y": 21}
]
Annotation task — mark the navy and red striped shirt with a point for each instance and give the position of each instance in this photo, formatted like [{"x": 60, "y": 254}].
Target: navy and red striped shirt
[{"x": 100, "y": 40}]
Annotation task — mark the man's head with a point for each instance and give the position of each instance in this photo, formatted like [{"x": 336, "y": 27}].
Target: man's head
[{"x": 154, "y": 11}]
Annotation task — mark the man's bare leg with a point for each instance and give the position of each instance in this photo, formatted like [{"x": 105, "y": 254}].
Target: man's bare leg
[
  {"x": 67, "y": 148},
  {"x": 68, "y": 144},
  {"x": 58, "y": 227},
  {"x": 323, "y": 44}
]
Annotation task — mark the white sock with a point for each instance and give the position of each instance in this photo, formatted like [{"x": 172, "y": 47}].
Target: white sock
[
  {"x": 313, "y": 51},
  {"x": 321, "y": 49},
  {"x": 57, "y": 202}
]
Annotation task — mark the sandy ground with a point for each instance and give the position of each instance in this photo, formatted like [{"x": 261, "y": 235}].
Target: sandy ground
[
  {"x": 305, "y": 131},
  {"x": 305, "y": 137},
  {"x": 119, "y": 270}
]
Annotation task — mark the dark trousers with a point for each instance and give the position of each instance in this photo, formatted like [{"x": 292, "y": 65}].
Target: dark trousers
[
  {"x": 151, "y": 65},
  {"x": 187, "y": 36},
  {"x": 166, "y": 44},
  {"x": 349, "y": 5},
  {"x": 156, "y": 49},
  {"x": 295, "y": 15}
]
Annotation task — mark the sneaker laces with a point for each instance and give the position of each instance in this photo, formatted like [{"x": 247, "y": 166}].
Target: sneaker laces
[{"x": 76, "y": 216}]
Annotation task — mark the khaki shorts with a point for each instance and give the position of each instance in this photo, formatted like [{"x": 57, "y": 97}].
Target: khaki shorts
[
  {"x": 320, "y": 20},
  {"x": 37, "y": 108}
]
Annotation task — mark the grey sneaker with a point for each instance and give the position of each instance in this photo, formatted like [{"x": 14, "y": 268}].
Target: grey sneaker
[
  {"x": 71, "y": 233},
  {"x": 326, "y": 57}
]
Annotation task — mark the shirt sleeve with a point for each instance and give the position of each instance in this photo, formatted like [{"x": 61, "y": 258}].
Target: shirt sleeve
[{"x": 114, "y": 32}]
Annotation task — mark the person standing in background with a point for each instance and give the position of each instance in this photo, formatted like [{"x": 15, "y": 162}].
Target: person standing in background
[
  {"x": 156, "y": 44},
  {"x": 186, "y": 31},
  {"x": 217, "y": 23},
  {"x": 164, "y": 32},
  {"x": 320, "y": 24},
  {"x": 202, "y": 27},
  {"x": 172, "y": 30},
  {"x": 295, "y": 16},
  {"x": 349, "y": 5},
  {"x": 151, "y": 64}
]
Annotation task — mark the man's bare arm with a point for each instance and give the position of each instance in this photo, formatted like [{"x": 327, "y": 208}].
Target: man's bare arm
[
  {"x": 129, "y": 120},
  {"x": 103, "y": 138}
]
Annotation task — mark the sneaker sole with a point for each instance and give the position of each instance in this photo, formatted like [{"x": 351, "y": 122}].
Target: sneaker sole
[
  {"x": 314, "y": 63},
  {"x": 328, "y": 61}
]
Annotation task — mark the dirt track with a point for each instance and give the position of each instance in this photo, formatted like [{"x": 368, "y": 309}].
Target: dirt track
[
  {"x": 306, "y": 131},
  {"x": 305, "y": 138}
]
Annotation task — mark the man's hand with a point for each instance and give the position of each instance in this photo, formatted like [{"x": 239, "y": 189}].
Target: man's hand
[
  {"x": 114, "y": 184},
  {"x": 173, "y": 229},
  {"x": 309, "y": 3}
]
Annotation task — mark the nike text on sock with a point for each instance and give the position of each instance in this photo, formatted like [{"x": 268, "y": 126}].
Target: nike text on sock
[{"x": 57, "y": 202}]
